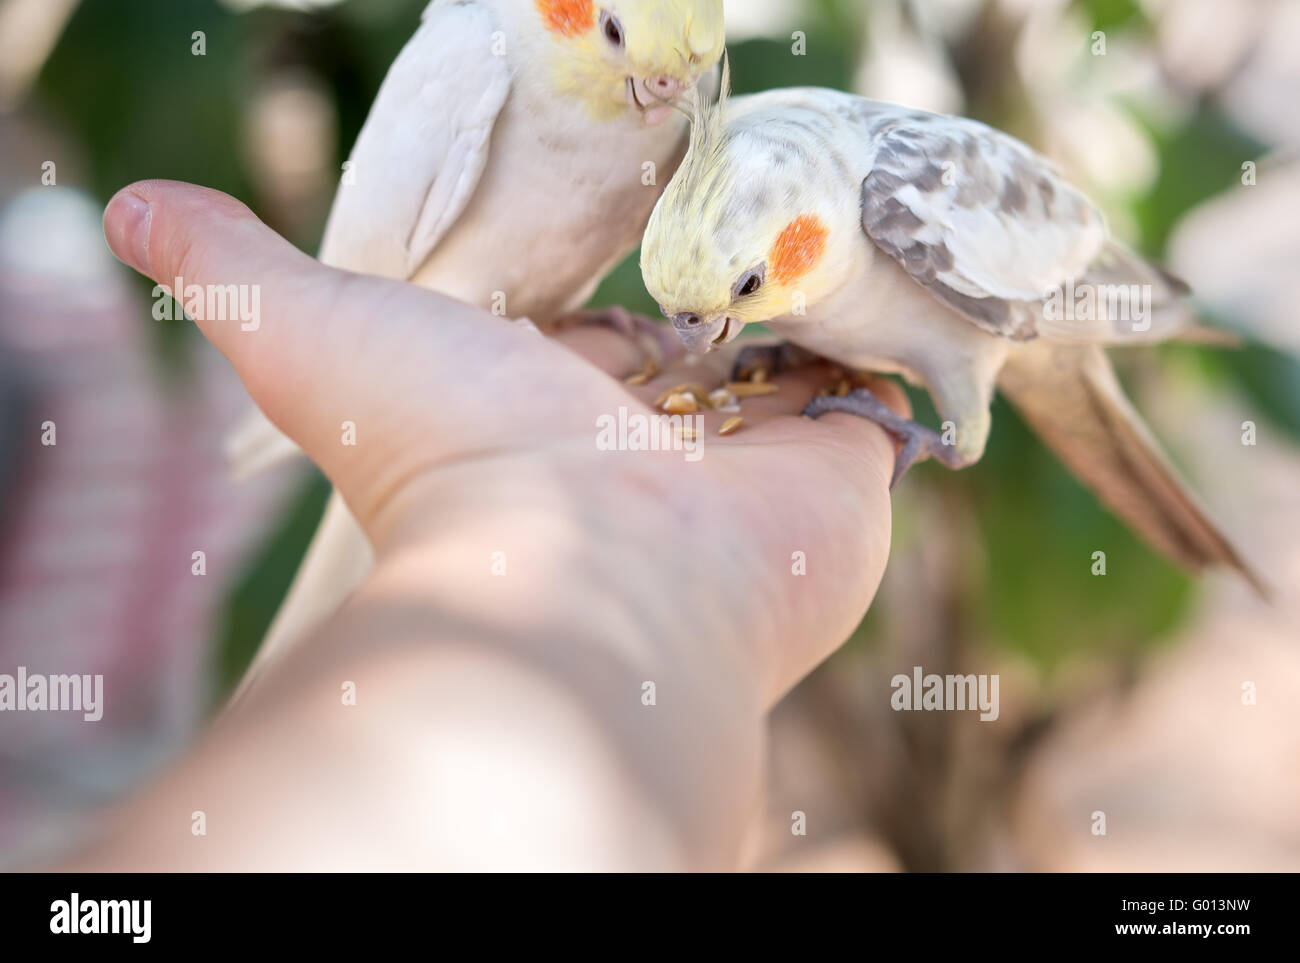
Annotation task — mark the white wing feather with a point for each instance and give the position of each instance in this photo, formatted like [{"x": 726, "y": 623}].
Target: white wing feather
[
  {"x": 414, "y": 168},
  {"x": 423, "y": 148}
]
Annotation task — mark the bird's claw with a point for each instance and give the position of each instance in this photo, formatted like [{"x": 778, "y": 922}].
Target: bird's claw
[
  {"x": 919, "y": 442},
  {"x": 772, "y": 359}
]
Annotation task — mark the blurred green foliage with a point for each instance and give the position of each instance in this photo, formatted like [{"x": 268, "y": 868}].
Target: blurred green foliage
[
  {"x": 258, "y": 593},
  {"x": 1112, "y": 14},
  {"x": 1199, "y": 158},
  {"x": 124, "y": 83}
]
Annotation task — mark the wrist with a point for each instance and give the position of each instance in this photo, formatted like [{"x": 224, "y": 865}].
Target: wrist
[{"x": 561, "y": 590}]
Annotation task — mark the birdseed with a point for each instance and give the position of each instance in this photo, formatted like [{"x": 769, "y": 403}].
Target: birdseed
[{"x": 751, "y": 389}]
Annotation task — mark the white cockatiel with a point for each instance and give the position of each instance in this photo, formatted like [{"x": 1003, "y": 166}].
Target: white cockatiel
[
  {"x": 510, "y": 160},
  {"x": 898, "y": 241}
]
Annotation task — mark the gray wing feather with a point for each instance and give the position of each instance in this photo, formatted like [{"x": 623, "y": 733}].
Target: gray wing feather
[
  {"x": 1124, "y": 299},
  {"x": 977, "y": 217}
]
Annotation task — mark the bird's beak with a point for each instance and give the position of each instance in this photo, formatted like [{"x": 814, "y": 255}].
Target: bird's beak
[
  {"x": 654, "y": 97},
  {"x": 700, "y": 336}
]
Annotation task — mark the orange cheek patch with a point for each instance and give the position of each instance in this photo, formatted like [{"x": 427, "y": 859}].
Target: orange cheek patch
[
  {"x": 798, "y": 249},
  {"x": 568, "y": 18}
]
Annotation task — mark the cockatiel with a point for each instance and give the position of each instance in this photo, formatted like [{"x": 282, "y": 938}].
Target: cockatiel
[
  {"x": 505, "y": 162},
  {"x": 934, "y": 247}
]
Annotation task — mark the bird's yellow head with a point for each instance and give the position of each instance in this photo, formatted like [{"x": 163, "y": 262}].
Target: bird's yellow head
[
  {"x": 740, "y": 234},
  {"x": 642, "y": 56}
]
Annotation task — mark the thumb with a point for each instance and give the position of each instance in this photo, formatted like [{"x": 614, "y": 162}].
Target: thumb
[
  {"x": 286, "y": 323},
  {"x": 418, "y": 392},
  {"x": 248, "y": 290}
]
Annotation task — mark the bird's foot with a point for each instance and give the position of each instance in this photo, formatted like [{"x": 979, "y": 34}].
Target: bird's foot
[
  {"x": 771, "y": 359},
  {"x": 919, "y": 442}
]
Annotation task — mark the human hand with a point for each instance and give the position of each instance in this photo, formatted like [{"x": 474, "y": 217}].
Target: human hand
[{"x": 477, "y": 436}]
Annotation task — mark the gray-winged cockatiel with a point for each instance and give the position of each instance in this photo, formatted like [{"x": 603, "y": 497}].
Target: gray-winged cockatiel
[{"x": 938, "y": 248}]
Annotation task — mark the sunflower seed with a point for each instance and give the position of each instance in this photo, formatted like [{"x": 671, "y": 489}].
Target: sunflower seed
[
  {"x": 681, "y": 404},
  {"x": 648, "y": 371},
  {"x": 699, "y": 391},
  {"x": 751, "y": 389}
]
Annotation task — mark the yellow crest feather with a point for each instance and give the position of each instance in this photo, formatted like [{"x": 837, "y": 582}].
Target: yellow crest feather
[
  {"x": 678, "y": 240},
  {"x": 708, "y": 142}
]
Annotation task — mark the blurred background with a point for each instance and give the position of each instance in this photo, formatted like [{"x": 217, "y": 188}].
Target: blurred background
[{"x": 1120, "y": 693}]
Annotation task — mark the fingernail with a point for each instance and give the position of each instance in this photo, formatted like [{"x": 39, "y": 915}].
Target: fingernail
[{"x": 126, "y": 224}]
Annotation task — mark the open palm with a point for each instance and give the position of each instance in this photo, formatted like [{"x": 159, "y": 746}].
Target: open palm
[{"x": 504, "y": 532}]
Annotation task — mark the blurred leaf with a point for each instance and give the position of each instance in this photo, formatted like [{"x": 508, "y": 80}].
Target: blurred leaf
[
  {"x": 1269, "y": 378},
  {"x": 1034, "y": 591},
  {"x": 1040, "y": 529},
  {"x": 124, "y": 78},
  {"x": 1112, "y": 14},
  {"x": 762, "y": 64},
  {"x": 254, "y": 600},
  {"x": 1198, "y": 160}
]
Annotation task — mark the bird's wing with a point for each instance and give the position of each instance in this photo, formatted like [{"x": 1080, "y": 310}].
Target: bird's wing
[
  {"x": 424, "y": 145},
  {"x": 975, "y": 216},
  {"x": 415, "y": 167}
]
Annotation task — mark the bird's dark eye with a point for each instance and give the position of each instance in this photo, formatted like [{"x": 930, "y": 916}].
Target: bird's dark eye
[
  {"x": 612, "y": 29},
  {"x": 749, "y": 282}
]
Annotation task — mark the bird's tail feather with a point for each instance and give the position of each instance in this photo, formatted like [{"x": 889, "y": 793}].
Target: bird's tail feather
[{"x": 1070, "y": 396}]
